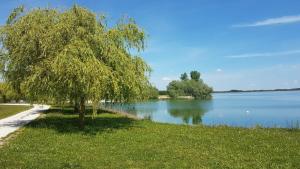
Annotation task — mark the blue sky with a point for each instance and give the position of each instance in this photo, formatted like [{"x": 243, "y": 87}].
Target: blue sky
[{"x": 235, "y": 44}]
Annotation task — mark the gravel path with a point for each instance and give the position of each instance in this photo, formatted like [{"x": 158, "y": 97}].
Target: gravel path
[{"x": 13, "y": 123}]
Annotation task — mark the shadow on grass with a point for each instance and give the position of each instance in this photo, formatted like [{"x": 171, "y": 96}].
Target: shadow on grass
[
  {"x": 65, "y": 121},
  {"x": 68, "y": 110}
]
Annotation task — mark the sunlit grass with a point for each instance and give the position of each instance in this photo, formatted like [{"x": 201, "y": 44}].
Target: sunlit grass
[
  {"x": 113, "y": 141},
  {"x": 9, "y": 110}
]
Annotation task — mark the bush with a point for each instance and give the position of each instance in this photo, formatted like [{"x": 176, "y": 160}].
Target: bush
[
  {"x": 163, "y": 92},
  {"x": 7, "y": 93},
  {"x": 152, "y": 92},
  {"x": 190, "y": 87}
]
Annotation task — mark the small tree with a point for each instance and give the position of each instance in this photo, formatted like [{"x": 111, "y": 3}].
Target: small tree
[
  {"x": 194, "y": 87},
  {"x": 175, "y": 89},
  {"x": 7, "y": 93},
  {"x": 184, "y": 76},
  {"x": 151, "y": 92},
  {"x": 3, "y": 94},
  {"x": 195, "y": 75}
]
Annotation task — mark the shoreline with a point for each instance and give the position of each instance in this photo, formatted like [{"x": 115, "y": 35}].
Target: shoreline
[{"x": 248, "y": 91}]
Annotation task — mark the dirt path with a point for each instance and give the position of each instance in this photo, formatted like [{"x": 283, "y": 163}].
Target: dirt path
[{"x": 10, "y": 124}]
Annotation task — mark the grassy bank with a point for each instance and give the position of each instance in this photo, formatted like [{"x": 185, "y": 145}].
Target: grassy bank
[
  {"x": 9, "y": 110},
  {"x": 113, "y": 141}
]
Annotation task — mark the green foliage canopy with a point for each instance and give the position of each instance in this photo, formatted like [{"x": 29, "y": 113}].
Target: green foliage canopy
[
  {"x": 73, "y": 55},
  {"x": 7, "y": 93},
  {"x": 195, "y": 75},
  {"x": 194, "y": 87},
  {"x": 152, "y": 92},
  {"x": 184, "y": 76}
]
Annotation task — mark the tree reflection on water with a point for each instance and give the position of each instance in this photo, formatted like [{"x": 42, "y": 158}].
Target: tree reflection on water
[
  {"x": 142, "y": 109},
  {"x": 190, "y": 111}
]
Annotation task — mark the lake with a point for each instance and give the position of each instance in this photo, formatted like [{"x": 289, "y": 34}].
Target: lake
[{"x": 266, "y": 109}]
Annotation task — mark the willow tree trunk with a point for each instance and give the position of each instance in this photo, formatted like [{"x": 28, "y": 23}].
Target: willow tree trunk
[
  {"x": 76, "y": 106},
  {"x": 4, "y": 99},
  {"x": 81, "y": 112}
]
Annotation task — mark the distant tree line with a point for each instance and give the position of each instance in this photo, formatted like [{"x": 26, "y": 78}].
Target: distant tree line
[
  {"x": 163, "y": 92},
  {"x": 190, "y": 87}
]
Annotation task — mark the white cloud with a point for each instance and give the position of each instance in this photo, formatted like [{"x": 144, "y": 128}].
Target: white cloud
[
  {"x": 296, "y": 81},
  {"x": 272, "y": 21},
  {"x": 250, "y": 55},
  {"x": 166, "y": 79},
  {"x": 193, "y": 52},
  {"x": 219, "y": 70},
  {"x": 272, "y": 77}
]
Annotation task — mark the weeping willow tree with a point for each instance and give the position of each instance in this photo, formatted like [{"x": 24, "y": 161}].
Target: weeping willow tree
[{"x": 73, "y": 55}]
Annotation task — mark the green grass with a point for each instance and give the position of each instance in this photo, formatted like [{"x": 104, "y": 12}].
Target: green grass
[
  {"x": 113, "y": 141},
  {"x": 9, "y": 110}
]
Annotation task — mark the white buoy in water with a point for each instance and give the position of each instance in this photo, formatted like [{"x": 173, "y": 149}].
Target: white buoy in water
[{"x": 247, "y": 112}]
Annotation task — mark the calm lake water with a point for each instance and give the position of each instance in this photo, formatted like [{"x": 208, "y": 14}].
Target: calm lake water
[{"x": 267, "y": 109}]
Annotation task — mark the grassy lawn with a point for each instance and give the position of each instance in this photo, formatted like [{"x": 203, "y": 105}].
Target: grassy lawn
[
  {"x": 113, "y": 141},
  {"x": 9, "y": 110}
]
